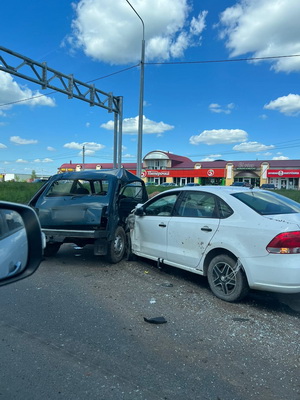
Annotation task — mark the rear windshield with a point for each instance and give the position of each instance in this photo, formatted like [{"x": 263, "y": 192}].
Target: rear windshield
[
  {"x": 78, "y": 187},
  {"x": 268, "y": 203}
]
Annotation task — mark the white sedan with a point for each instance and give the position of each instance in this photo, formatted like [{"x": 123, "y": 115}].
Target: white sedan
[{"x": 239, "y": 238}]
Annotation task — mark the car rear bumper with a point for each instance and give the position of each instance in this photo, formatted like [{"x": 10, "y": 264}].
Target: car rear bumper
[{"x": 275, "y": 272}]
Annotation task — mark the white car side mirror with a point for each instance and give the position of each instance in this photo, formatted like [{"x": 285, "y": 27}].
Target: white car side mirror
[{"x": 21, "y": 242}]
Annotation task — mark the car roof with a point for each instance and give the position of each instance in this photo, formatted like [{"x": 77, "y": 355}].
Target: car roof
[
  {"x": 214, "y": 189},
  {"x": 217, "y": 190},
  {"x": 116, "y": 173}
]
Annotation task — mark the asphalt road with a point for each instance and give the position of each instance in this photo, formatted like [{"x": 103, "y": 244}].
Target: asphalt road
[{"x": 76, "y": 330}]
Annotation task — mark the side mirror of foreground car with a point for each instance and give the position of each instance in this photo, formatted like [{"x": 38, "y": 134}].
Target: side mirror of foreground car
[{"x": 21, "y": 242}]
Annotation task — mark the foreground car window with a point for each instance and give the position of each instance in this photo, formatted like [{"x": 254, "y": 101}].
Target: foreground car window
[
  {"x": 268, "y": 203},
  {"x": 11, "y": 222}
]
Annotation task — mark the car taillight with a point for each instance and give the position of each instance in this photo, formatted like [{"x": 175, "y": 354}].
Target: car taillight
[{"x": 285, "y": 243}]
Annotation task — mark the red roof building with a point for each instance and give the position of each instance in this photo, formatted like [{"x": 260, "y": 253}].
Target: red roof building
[{"x": 164, "y": 167}]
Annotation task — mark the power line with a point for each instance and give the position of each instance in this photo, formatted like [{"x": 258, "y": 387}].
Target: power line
[{"x": 220, "y": 61}]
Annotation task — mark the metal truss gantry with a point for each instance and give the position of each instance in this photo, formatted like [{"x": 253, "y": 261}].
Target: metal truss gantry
[{"x": 46, "y": 77}]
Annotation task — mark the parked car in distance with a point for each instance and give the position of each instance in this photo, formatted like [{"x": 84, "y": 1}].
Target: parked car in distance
[
  {"x": 241, "y": 184},
  {"x": 88, "y": 207},
  {"x": 167, "y": 184},
  {"x": 21, "y": 242},
  {"x": 239, "y": 238},
  {"x": 269, "y": 186},
  {"x": 192, "y": 184}
]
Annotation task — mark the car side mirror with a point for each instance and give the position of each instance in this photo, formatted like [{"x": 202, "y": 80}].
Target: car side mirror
[
  {"x": 139, "y": 211},
  {"x": 21, "y": 242}
]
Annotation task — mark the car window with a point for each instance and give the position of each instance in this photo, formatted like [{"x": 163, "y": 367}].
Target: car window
[
  {"x": 10, "y": 222},
  {"x": 71, "y": 187},
  {"x": 133, "y": 190},
  {"x": 162, "y": 206},
  {"x": 268, "y": 203},
  {"x": 224, "y": 210},
  {"x": 198, "y": 205}
]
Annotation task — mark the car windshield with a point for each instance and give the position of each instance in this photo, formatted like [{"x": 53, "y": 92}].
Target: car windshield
[
  {"x": 74, "y": 187},
  {"x": 268, "y": 203}
]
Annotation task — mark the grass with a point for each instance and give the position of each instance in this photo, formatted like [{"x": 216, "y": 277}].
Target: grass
[
  {"x": 18, "y": 192},
  {"x": 22, "y": 192}
]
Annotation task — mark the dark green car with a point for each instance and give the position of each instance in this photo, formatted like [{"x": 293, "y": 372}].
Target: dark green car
[{"x": 88, "y": 207}]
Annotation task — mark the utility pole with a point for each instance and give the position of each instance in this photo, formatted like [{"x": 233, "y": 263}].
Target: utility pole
[
  {"x": 83, "y": 156},
  {"x": 141, "y": 103}
]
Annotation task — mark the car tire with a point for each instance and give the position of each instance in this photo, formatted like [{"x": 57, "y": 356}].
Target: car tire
[
  {"x": 227, "y": 281},
  {"x": 51, "y": 249},
  {"x": 116, "y": 248}
]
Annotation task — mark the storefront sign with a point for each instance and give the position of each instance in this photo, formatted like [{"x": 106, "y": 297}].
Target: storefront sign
[
  {"x": 283, "y": 173},
  {"x": 245, "y": 166},
  {"x": 188, "y": 173},
  {"x": 157, "y": 173}
]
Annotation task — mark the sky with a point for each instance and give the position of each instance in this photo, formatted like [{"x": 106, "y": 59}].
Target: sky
[{"x": 221, "y": 80}]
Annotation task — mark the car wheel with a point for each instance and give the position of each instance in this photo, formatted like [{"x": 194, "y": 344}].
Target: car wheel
[
  {"x": 116, "y": 248},
  {"x": 227, "y": 280},
  {"x": 51, "y": 249}
]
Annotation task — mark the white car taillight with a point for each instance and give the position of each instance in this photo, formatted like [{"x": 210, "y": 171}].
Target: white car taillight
[{"x": 285, "y": 243}]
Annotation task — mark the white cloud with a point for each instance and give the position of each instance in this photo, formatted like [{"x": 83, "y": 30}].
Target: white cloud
[
  {"x": 280, "y": 158},
  {"x": 50, "y": 148},
  {"x": 45, "y": 160},
  {"x": 218, "y": 136},
  {"x": 19, "y": 140},
  {"x": 263, "y": 116},
  {"x": 216, "y": 108},
  {"x": 2, "y": 146},
  {"x": 11, "y": 92},
  {"x": 87, "y": 152},
  {"x": 21, "y": 161},
  {"x": 263, "y": 28},
  {"x": 252, "y": 147},
  {"x": 288, "y": 105},
  {"x": 130, "y": 126},
  {"x": 212, "y": 157},
  {"x": 110, "y": 31},
  {"x": 128, "y": 156},
  {"x": 89, "y": 146}
]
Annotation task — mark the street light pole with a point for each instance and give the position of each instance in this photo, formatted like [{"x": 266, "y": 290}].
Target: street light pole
[{"x": 141, "y": 103}]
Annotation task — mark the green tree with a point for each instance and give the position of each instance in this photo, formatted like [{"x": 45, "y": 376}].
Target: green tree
[{"x": 33, "y": 175}]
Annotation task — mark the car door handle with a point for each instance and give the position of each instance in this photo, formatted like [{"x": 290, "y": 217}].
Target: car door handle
[
  {"x": 17, "y": 268},
  {"x": 206, "y": 229},
  {"x": 162, "y": 224}
]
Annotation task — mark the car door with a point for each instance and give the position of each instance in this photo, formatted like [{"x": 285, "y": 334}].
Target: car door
[
  {"x": 149, "y": 236},
  {"x": 192, "y": 227}
]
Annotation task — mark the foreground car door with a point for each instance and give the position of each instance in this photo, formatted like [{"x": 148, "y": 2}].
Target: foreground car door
[
  {"x": 191, "y": 229},
  {"x": 150, "y": 230}
]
